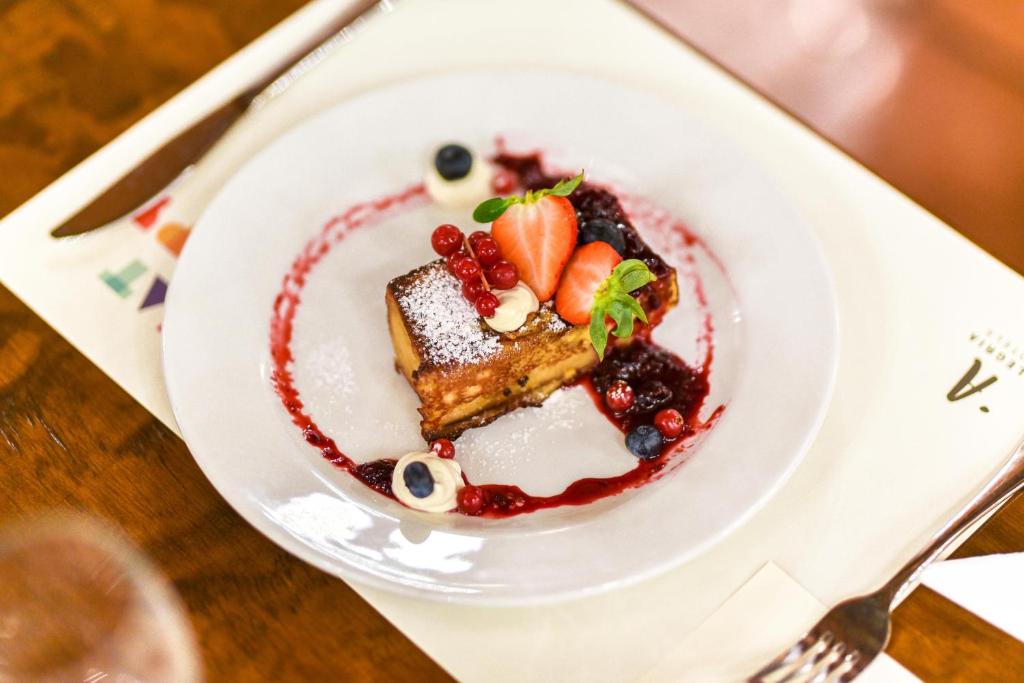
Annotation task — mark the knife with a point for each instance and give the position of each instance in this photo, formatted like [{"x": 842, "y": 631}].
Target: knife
[{"x": 156, "y": 171}]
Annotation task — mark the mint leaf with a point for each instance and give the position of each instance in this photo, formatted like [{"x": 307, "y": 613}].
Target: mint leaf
[
  {"x": 635, "y": 308},
  {"x": 490, "y": 210},
  {"x": 564, "y": 188},
  {"x": 633, "y": 274},
  {"x": 623, "y": 317},
  {"x": 612, "y": 299},
  {"x": 598, "y": 330}
]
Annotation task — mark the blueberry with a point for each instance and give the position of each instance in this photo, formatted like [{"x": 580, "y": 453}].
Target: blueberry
[
  {"x": 453, "y": 162},
  {"x": 602, "y": 230},
  {"x": 645, "y": 442},
  {"x": 418, "y": 480}
]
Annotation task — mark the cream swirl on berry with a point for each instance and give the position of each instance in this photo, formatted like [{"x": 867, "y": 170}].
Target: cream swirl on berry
[
  {"x": 423, "y": 481},
  {"x": 514, "y": 306}
]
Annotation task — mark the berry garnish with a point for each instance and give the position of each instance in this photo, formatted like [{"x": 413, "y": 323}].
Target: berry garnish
[
  {"x": 451, "y": 259},
  {"x": 652, "y": 395},
  {"x": 602, "y": 230},
  {"x": 645, "y": 442},
  {"x": 471, "y": 289},
  {"x": 588, "y": 269},
  {"x": 476, "y": 236},
  {"x": 538, "y": 236},
  {"x": 453, "y": 162},
  {"x": 490, "y": 210},
  {"x": 595, "y": 285},
  {"x": 470, "y": 500},
  {"x": 487, "y": 251},
  {"x": 619, "y": 397},
  {"x": 536, "y": 232},
  {"x": 443, "y": 448},
  {"x": 466, "y": 268},
  {"x": 669, "y": 422},
  {"x": 446, "y": 239},
  {"x": 418, "y": 480},
  {"x": 486, "y": 304},
  {"x": 504, "y": 182},
  {"x": 503, "y": 274}
]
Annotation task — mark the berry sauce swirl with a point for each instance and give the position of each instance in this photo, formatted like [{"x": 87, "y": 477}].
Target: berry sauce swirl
[{"x": 660, "y": 378}]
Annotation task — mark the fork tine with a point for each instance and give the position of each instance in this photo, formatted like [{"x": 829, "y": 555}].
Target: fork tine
[
  {"x": 840, "y": 667},
  {"x": 830, "y": 661},
  {"x": 785, "y": 659},
  {"x": 858, "y": 663},
  {"x": 821, "y": 649}
]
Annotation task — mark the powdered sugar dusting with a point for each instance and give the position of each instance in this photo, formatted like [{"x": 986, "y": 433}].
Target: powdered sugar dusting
[
  {"x": 445, "y": 322},
  {"x": 555, "y": 321}
]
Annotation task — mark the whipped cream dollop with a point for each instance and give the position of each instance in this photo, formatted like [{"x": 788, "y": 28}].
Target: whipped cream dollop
[
  {"x": 467, "y": 191},
  {"x": 447, "y": 477},
  {"x": 514, "y": 305}
]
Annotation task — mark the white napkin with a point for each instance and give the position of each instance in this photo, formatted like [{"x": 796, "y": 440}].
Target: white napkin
[
  {"x": 991, "y": 586},
  {"x": 761, "y": 619}
]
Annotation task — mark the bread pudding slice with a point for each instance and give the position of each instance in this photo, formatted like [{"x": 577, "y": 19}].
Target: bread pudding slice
[{"x": 465, "y": 373}]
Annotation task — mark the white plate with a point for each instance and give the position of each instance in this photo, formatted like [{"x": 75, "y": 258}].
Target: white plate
[{"x": 773, "y": 312}]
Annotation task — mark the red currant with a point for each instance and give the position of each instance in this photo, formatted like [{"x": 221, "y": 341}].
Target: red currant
[
  {"x": 443, "y": 448},
  {"x": 487, "y": 251},
  {"x": 470, "y": 500},
  {"x": 452, "y": 258},
  {"x": 619, "y": 397},
  {"x": 471, "y": 289},
  {"x": 487, "y": 304},
  {"x": 446, "y": 239},
  {"x": 476, "y": 236},
  {"x": 503, "y": 274},
  {"x": 504, "y": 182},
  {"x": 669, "y": 422},
  {"x": 466, "y": 268}
]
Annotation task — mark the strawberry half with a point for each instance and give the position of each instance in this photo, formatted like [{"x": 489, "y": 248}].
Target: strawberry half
[
  {"x": 587, "y": 270},
  {"x": 538, "y": 236},
  {"x": 596, "y": 286}
]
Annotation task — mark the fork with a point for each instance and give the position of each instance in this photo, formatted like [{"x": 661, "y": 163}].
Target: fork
[{"x": 854, "y": 632}]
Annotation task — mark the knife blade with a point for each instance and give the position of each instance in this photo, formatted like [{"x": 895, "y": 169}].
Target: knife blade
[{"x": 171, "y": 159}]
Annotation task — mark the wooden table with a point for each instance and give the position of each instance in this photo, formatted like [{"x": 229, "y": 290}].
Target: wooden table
[{"x": 944, "y": 124}]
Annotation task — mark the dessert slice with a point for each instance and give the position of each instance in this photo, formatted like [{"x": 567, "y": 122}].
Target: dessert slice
[
  {"x": 465, "y": 373},
  {"x": 473, "y": 352}
]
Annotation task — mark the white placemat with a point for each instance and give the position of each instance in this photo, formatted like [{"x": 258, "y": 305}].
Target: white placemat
[
  {"x": 748, "y": 631},
  {"x": 919, "y": 307}
]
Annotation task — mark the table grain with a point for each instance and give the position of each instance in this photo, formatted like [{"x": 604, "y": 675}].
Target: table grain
[{"x": 76, "y": 73}]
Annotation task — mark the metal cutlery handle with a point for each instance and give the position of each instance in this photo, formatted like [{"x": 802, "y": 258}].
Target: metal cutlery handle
[{"x": 1007, "y": 482}]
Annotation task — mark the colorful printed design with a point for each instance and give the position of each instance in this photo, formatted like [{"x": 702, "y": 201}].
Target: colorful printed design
[
  {"x": 120, "y": 280},
  {"x": 173, "y": 236},
  {"x": 156, "y": 294},
  {"x": 147, "y": 217}
]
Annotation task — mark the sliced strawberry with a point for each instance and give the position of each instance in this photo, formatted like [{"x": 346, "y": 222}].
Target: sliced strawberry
[
  {"x": 587, "y": 269},
  {"x": 538, "y": 237}
]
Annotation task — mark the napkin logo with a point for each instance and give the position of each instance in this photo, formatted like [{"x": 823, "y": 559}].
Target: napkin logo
[
  {"x": 966, "y": 386},
  {"x": 1001, "y": 351}
]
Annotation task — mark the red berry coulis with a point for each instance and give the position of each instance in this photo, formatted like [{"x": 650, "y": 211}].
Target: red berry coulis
[{"x": 660, "y": 380}]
